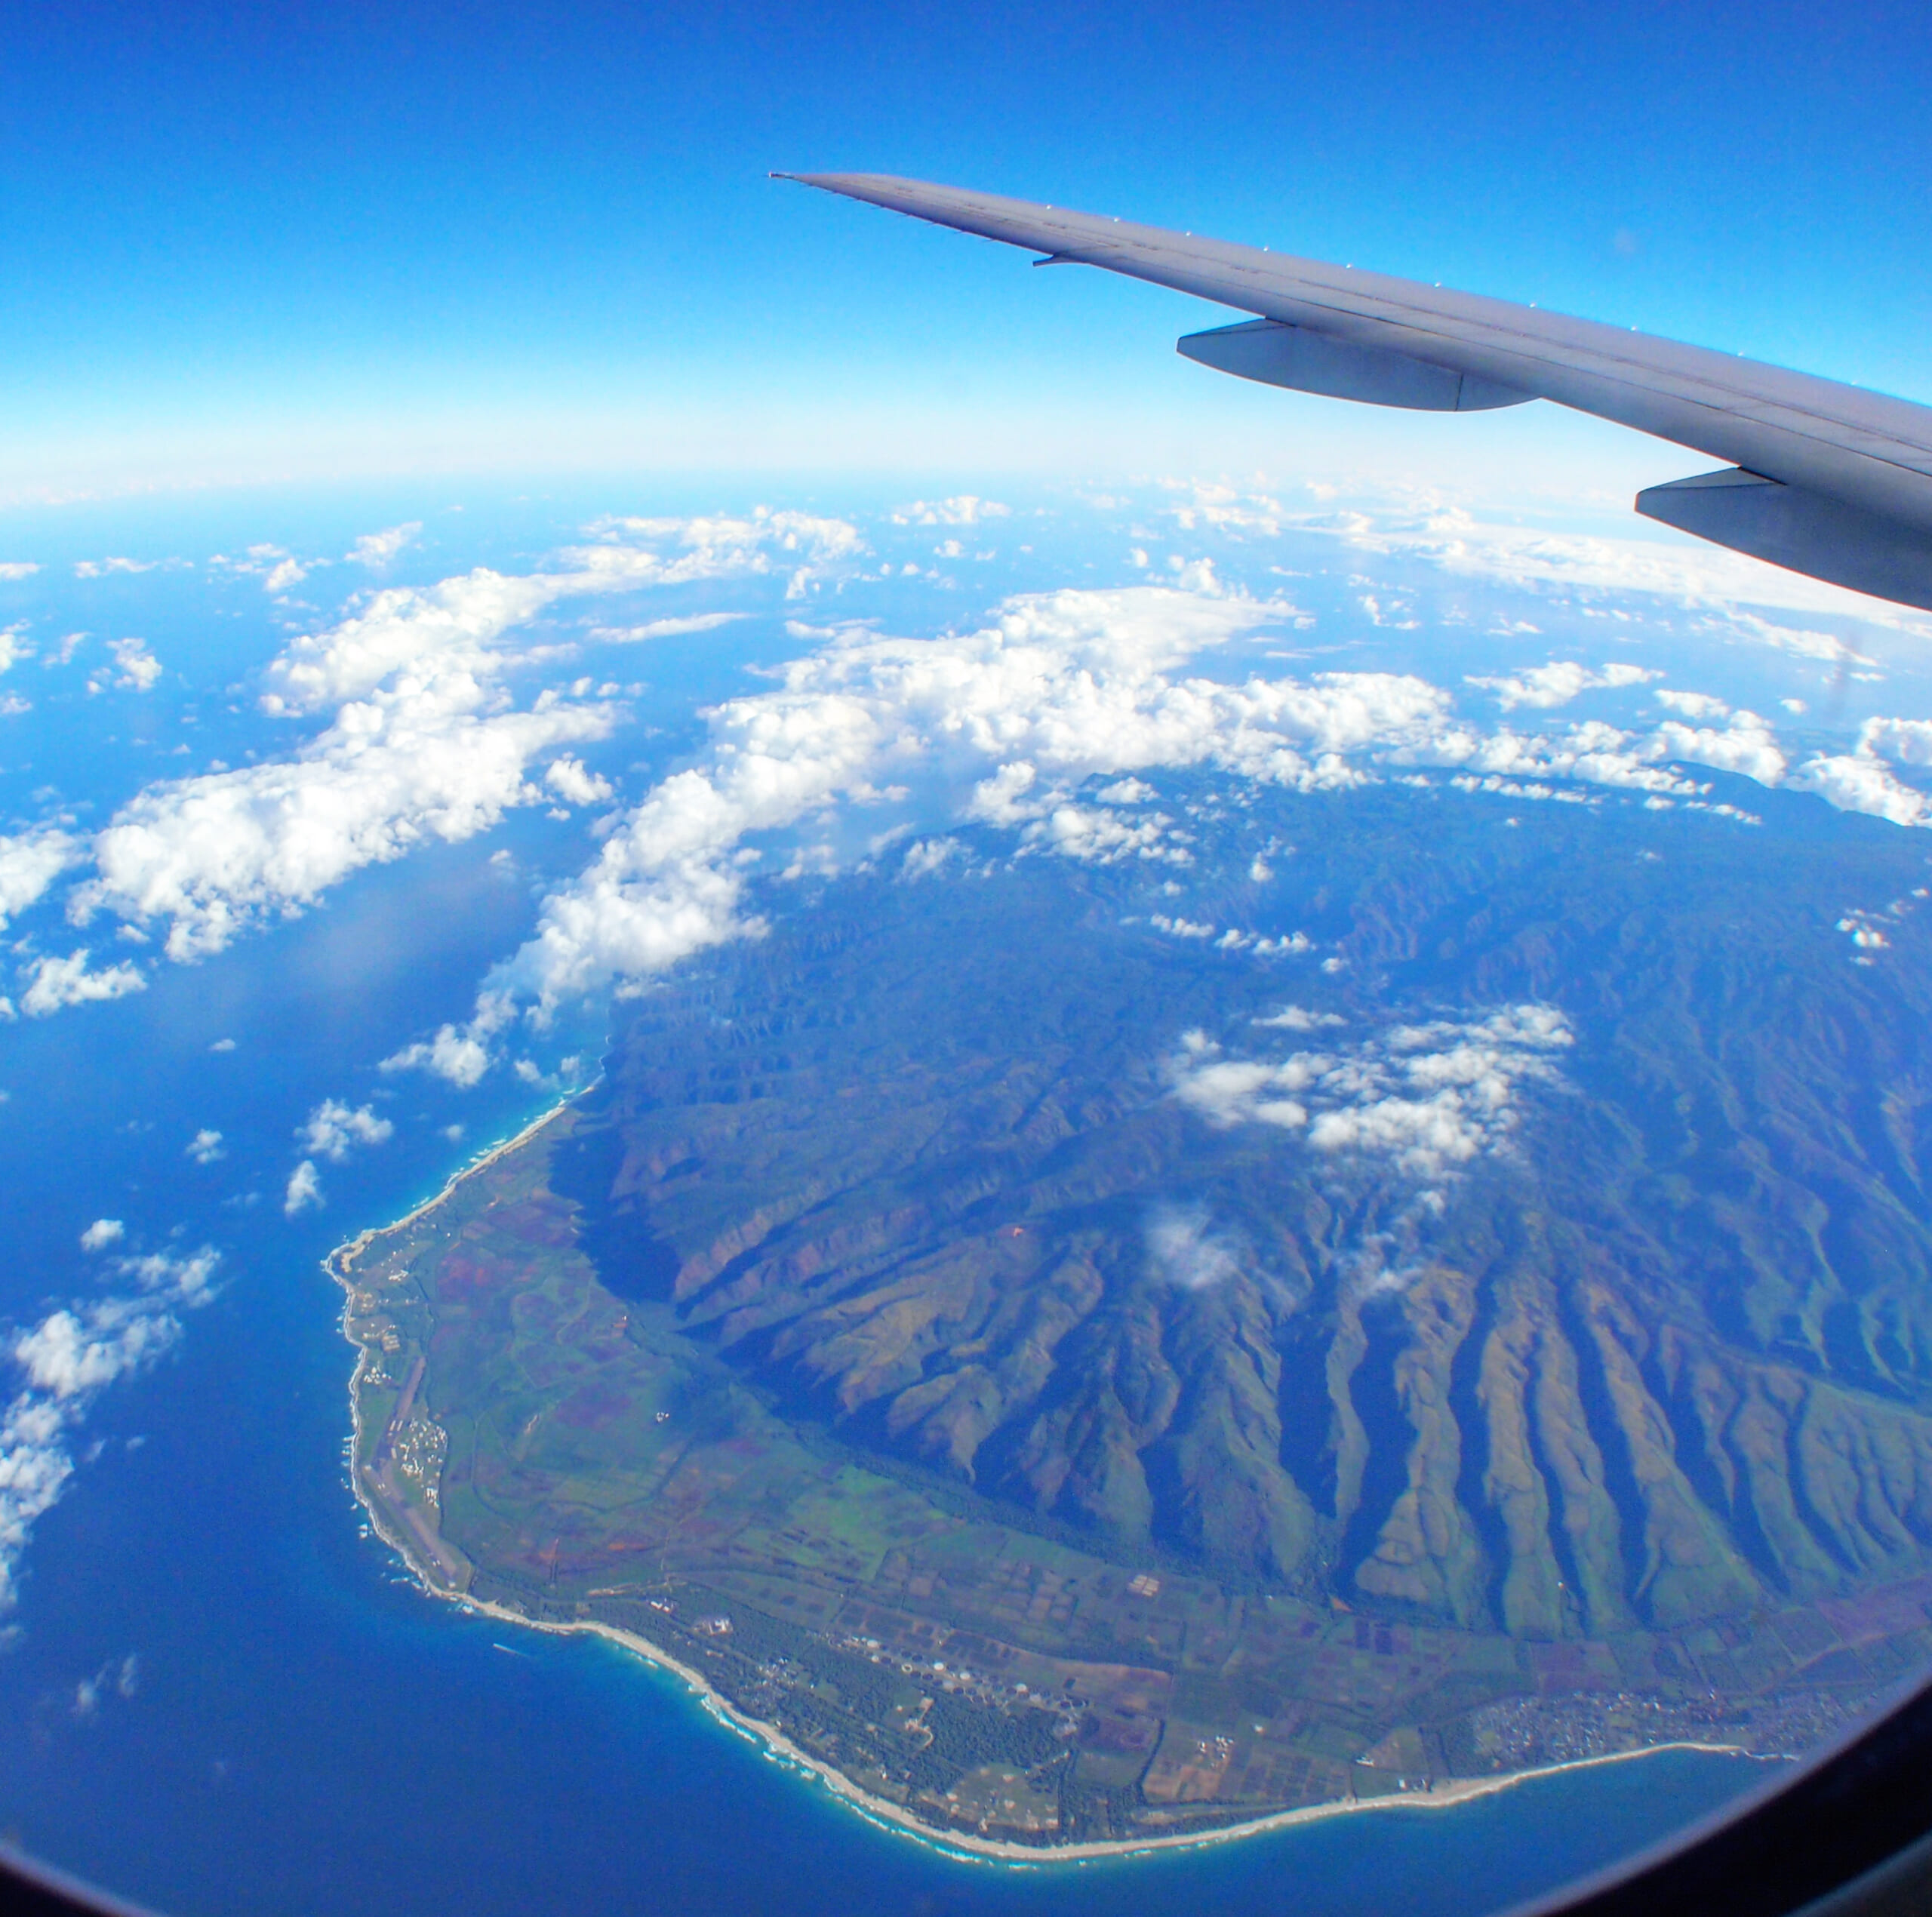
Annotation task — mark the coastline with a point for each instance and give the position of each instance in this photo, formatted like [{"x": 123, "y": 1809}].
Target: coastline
[
  {"x": 777, "y": 1747},
  {"x": 966, "y": 1846},
  {"x": 361, "y": 1242}
]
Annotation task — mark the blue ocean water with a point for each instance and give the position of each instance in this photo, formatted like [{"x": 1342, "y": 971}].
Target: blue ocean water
[{"x": 218, "y": 1691}]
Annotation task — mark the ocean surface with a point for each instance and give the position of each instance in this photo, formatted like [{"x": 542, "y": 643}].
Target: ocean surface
[{"x": 218, "y": 1692}]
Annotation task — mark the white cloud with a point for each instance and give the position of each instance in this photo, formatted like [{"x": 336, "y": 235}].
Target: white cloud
[
  {"x": 28, "y": 864},
  {"x": 103, "y": 1232},
  {"x": 459, "y": 1054},
  {"x": 1746, "y": 746},
  {"x": 205, "y": 1147},
  {"x": 1592, "y": 751},
  {"x": 460, "y": 620},
  {"x": 101, "y": 568},
  {"x": 1065, "y": 686},
  {"x": 963, "y": 509},
  {"x": 1855, "y": 783},
  {"x": 305, "y": 1190},
  {"x": 18, "y": 568},
  {"x": 1862, "y": 781},
  {"x": 65, "y": 1362},
  {"x": 135, "y": 669},
  {"x": 333, "y": 1129},
  {"x": 1557, "y": 684},
  {"x": 406, "y": 626},
  {"x": 567, "y": 778},
  {"x": 1428, "y": 1098},
  {"x": 375, "y": 550},
  {"x": 1296, "y": 1018},
  {"x": 13, "y": 645},
  {"x": 1905, "y": 742},
  {"x": 925, "y": 857},
  {"x": 422, "y": 746},
  {"x": 664, "y": 628},
  {"x": 1184, "y": 1250},
  {"x": 55, "y": 983},
  {"x": 1099, "y": 837},
  {"x": 216, "y": 854},
  {"x": 1804, "y": 644},
  {"x": 1693, "y": 705},
  {"x": 1691, "y": 573}
]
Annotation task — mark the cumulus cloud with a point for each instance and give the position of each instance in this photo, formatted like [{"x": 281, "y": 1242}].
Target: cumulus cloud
[
  {"x": 1863, "y": 780},
  {"x": 459, "y": 1054},
  {"x": 1096, "y": 836},
  {"x": 1065, "y": 686},
  {"x": 1905, "y": 742},
  {"x": 18, "y": 568},
  {"x": 1746, "y": 745},
  {"x": 376, "y": 550},
  {"x": 459, "y": 620},
  {"x": 1183, "y": 1249},
  {"x": 567, "y": 778},
  {"x": 205, "y": 1147},
  {"x": 216, "y": 854},
  {"x": 1600, "y": 754},
  {"x": 1857, "y": 783},
  {"x": 962, "y": 509},
  {"x": 304, "y": 1190},
  {"x": 424, "y": 743},
  {"x": 1557, "y": 684},
  {"x": 455, "y": 621},
  {"x": 135, "y": 669},
  {"x": 1693, "y": 705},
  {"x": 29, "y": 863},
  {"x": 101, "y": 1233},
  {"x": 1008, "y": 722},
  {"x": 102, "y": 568},
  {"x": 1296, "y": 1018},
  {"x": 13, "y": 647},
  {"x": 925, "y": 857},
  {"x": 1426, "y": 1097},
  {"x": 63, "y": 1363},
  {"x": 334, "y": 1129},
  {"x": 55, "y": 983}
]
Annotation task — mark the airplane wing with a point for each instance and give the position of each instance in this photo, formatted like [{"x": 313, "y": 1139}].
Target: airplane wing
[{"x": 1826, "y": 479}]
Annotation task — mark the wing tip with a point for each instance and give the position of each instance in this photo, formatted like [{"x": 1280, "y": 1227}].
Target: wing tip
[{"x": 855, "y": 186}]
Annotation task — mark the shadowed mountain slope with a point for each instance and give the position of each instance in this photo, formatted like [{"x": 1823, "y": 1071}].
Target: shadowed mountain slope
[{"x": 1559, "y": 1262}]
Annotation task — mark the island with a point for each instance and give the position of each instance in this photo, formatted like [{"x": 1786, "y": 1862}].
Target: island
[{"x": 902, "y": 1343}]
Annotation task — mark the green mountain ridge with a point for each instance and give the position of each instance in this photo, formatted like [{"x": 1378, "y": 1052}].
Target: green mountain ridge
[{"x": 1664, "y": 1356}]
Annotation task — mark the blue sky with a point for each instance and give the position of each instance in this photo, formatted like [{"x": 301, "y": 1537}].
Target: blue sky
[{"x": 261, "y": 242}]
